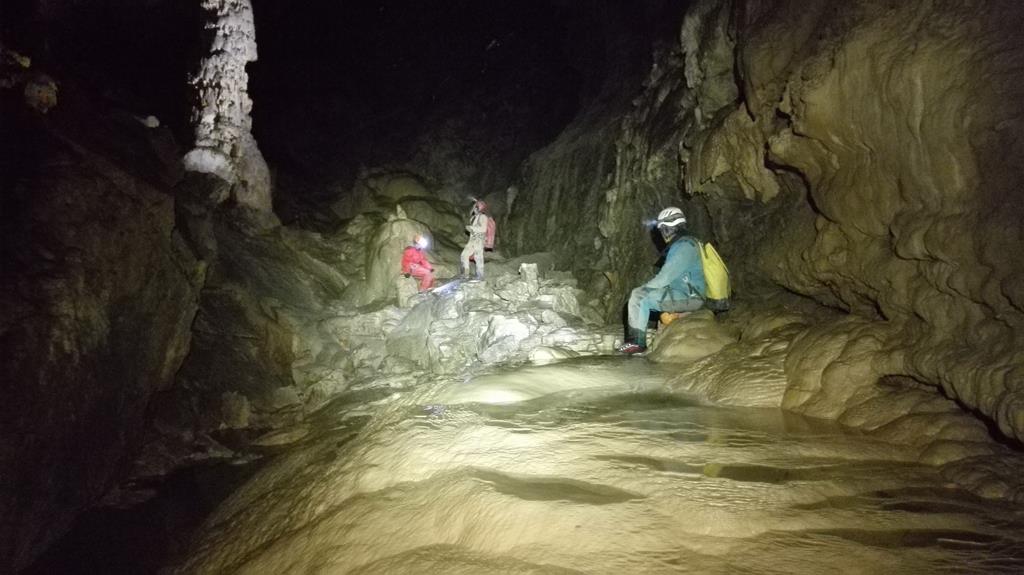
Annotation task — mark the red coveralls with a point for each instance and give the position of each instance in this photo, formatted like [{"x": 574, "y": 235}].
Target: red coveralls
[{"x": 415, "y": 264}]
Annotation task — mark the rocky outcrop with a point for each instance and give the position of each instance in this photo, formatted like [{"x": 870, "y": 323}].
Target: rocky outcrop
[
  {"x": 383, "y": 191},
  {"x": 385, "y": 211},
  {"x": 500, "y": 321},
  {"x": 259, "y": 345},
  {"x": 695, "y": 338},
  {"x": 289, "y": 319},
  {"x": 98, "y": 295}
]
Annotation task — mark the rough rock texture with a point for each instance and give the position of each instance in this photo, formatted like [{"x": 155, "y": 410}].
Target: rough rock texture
[
  {"x": 860, "y": 155},
  {"x": 258, "y": 336},
  {"x": 384, "y": 211},
  {"x": 908, "y": 214},
  {"x": 696, "y": 336},
  {"x": 98, "y": 295},
  {"x": 224, "y": 143},
  {"x": 289, "y": 319},
  {"x": 593, "y": 204},
  {"x": 384, "y": 259},
  {"x": 836, "y": 368},
  {"x": 384, "y": 191},
  {"x": 502, "y": 320},
  {"x": 380, "y": 191}
]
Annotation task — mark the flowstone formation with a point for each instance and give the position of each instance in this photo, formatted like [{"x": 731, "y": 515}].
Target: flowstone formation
[
  {"x": 815, "y": 362},
  {"x": 587, "y": 466},
  {"x": 905, "y": 213},
  {"x": 861, "y": 156}
]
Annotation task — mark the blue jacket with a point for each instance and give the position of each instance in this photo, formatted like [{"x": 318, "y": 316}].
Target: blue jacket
[{"x": 683, "y": 273}]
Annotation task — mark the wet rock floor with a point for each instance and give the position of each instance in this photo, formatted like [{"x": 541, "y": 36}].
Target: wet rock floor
[{"x": 587, "y": 466}]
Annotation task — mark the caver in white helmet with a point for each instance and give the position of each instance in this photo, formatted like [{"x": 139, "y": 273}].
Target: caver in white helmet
[{"x": 671, "y": 217}]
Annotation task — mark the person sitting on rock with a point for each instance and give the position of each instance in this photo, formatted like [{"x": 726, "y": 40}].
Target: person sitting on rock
[
  {"x": 415, "y": 264},
  {"x": 477, "y": 229},
  {"x": 677, "y": 287}
]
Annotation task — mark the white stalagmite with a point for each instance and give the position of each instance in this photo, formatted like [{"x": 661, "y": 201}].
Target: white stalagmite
[{"x": 224, "y": 144}]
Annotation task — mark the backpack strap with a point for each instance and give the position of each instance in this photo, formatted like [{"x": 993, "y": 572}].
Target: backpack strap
[{"x": 700, "y": 247}]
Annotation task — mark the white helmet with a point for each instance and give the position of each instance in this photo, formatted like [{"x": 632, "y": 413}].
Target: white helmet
[{"x": 671, "y": 217}]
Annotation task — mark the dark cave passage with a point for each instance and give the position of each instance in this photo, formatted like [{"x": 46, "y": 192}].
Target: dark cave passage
[{"x": 380, "y": 257}]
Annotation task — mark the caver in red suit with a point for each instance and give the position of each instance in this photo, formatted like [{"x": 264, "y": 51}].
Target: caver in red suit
[{"x": 415, "y": 264}]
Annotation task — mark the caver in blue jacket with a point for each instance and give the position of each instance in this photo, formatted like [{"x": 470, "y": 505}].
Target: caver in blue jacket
[{"x": 678, "y": 286}]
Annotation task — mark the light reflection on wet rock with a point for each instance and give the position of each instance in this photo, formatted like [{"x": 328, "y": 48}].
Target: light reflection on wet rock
[{"x": 595, "y": 469}]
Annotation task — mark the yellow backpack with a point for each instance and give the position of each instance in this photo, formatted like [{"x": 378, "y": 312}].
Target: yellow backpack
[{"x": 716, "y": 277}]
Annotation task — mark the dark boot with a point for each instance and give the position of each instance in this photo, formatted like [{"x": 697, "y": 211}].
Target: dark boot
[{"x": 636, "y": 342}]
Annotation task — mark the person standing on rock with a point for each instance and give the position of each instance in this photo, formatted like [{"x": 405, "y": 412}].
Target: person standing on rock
[
  {"x": 678, "y": 287},
  {"x": 477, "y": 228},
  {"x": 415, "y": 264}
]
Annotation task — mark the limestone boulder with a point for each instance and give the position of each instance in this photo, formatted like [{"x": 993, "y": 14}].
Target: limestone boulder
[
  {"x": 490, "y": 322},
  {"x": 560, "y": 297},
  {"x": 395, "y": 187},
  {"x": 690, "y": 338},
  {"x": 406, "y": 290},
  {"x": 410, "y": 338},
  {"x": 454, "y": 344}
]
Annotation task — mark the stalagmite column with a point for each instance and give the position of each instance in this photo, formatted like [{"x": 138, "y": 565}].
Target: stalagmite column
[{"x": 224, "y": 143}]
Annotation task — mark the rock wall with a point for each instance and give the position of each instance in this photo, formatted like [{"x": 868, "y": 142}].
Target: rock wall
[
  {"x": 98, "y": 295},
  {"x": 257, "y": 337},
  {"x": 593, "y": 201},
  {"x": 898, "y": 123},
  {"x": 859, "y": 155}
]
